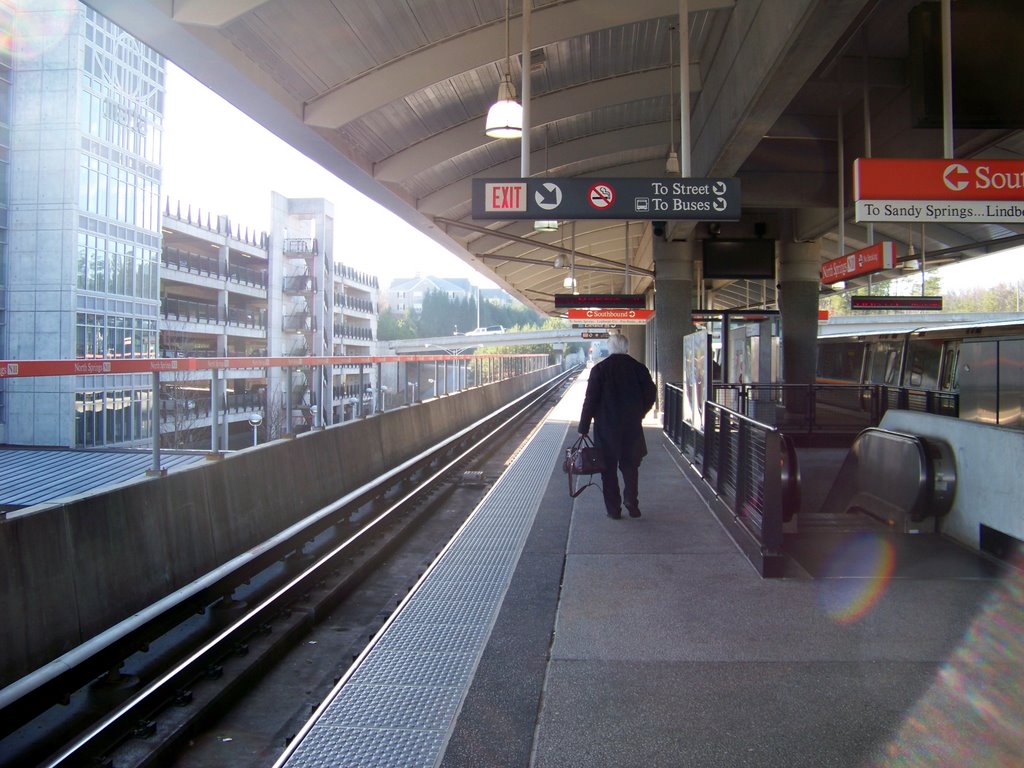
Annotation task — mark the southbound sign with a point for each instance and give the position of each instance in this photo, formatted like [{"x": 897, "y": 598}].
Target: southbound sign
[
  {"x": 874, "y": 258},
  {"x": 661, "y": 198},
  {"x": 603, "y": 317},
  {"x": 965, "y": 191}
]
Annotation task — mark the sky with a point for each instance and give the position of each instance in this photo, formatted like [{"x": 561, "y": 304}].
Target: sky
[
  {"x": 221, "y": 162},
  {"x": 204, "y": 132}
]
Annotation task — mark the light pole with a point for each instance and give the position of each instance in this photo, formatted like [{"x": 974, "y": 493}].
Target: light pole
[{"x": 255, "y": 419}]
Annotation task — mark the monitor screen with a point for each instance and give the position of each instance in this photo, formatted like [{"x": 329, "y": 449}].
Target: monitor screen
[{"x": 752, "y": 259}]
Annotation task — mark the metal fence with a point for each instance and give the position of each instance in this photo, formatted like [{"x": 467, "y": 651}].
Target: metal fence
[
  {"x": 751, "y": 467},
  {"x": 835, "y": 408}
]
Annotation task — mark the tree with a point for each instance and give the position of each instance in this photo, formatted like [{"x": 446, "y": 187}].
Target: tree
[
  {"x": 392, "y": 326},
  {"x": 838, "y": 305}
]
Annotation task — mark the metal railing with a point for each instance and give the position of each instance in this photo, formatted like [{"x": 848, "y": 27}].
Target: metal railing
[
  {"x": 750, "y": 466},
  {"x": 744, "y": 461},
  {"x": 816, "y": 408},
  {"x": 310, "y": 392},
  {"x": 743, "y": 453}
]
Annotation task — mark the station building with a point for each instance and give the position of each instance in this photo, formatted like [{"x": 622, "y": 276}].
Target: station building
[{"x": 92, "y": 266}]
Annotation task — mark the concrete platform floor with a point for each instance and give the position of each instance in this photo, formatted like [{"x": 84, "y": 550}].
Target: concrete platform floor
[{"x": 653, "y": 642}]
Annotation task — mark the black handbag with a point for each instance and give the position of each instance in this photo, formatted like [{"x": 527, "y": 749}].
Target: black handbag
[{"x": 582, "y": 459}]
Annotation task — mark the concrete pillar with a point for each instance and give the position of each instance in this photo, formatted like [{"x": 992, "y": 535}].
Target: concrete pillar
[
  {"x": 799, "y": 281},
  {"x": 636, "y": 335},
  {"x": 673, "y": 304}
]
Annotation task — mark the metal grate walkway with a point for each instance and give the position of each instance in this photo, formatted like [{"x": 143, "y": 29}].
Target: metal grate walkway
[{"x": 396, "y": 706}]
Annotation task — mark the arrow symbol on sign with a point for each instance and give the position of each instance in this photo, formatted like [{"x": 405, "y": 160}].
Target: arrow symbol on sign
[
  {"x": 718, "y": 188},
  {"x": 719, "y": 204},
  {"x": 549, "y": 196}
]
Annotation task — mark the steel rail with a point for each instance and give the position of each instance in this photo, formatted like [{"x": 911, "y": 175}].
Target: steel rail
[{"x": 106, "y": 733}]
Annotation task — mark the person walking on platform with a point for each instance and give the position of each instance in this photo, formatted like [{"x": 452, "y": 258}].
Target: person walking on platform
[{"x": 620, "y": 392}]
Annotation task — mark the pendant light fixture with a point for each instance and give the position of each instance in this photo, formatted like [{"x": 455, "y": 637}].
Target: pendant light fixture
[
  {"x": 505, "y": 117},
  {"x": 672, "y": 163}
]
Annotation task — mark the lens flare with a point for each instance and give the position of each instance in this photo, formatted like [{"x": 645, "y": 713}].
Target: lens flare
[
  {"x": 973, "y": 713},
  {"x": 857, "y": 578},
  {"x": 40, "y": 26}
]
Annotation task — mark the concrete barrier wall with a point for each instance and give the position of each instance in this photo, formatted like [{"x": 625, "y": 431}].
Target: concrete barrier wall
[
  {"x": 989, "y": 479},
  {"x": 71, "y": 570}
]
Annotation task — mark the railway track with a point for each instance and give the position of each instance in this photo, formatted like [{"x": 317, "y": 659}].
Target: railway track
[{"x": 234, "y": 681}]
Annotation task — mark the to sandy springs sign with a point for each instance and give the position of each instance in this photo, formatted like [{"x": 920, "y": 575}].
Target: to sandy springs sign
[{"x": 966, "y": 191}]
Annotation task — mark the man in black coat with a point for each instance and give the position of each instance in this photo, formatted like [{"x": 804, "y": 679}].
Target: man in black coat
[{"x": 620, "y": 392}]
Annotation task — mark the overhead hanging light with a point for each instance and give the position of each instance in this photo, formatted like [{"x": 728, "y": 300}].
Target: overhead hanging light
[
  {"x": 911, "y": 264},
  {"x": 672, "y": 162},
  {"x": 505, "y": 117}
]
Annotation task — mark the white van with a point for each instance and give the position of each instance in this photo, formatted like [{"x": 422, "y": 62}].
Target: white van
[{"x": 486, "y": 330}]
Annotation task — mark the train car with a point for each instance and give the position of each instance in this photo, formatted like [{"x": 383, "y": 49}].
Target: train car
[{"x": 969, "y": 366}]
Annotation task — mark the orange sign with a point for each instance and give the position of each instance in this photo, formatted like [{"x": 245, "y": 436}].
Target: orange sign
[
  {"x": 611, "y": 316},
  {"x": 874, "y": 258},
  {"x": 906, "y": 179}
]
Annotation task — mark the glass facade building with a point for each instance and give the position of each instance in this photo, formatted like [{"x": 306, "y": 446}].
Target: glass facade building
[{"x": 84, "y": 247}]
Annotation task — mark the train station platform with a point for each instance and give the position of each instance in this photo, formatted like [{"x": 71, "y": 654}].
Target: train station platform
[{"x": 655, "y": 642}]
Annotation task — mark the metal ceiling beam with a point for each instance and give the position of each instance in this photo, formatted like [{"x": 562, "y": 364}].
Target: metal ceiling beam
[
  {"x": 766, "y": 55},
  {"x": 586, "y": 148},
  {"x": 617, "y": 270},
  {"x": 207, "y": 14},
  {"x": 538, "y": 244},
  {"x": 477, "y": 47},
  {"x": 545, "y": 109}
]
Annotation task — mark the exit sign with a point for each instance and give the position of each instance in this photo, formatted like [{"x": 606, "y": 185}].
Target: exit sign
[{"x": 505, "y": 197}]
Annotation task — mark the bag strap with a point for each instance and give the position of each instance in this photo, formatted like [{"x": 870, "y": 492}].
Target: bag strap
[{"x": 582, "y": 441}]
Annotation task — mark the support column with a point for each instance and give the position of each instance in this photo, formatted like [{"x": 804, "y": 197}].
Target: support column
[
  {"x": 636, "y": 335},
  {"x": 799, "y": 281},
  {"x": 673, "y": 266}
]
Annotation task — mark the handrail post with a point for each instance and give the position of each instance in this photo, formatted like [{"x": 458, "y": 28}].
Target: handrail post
[
  {"x": 743, "y": 467},
  {"x": 771, "y": 521},
  {"x": 214, "y": 413},
  {"x": 157, "y": 418}
]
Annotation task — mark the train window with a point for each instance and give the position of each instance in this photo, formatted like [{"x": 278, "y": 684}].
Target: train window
[
  {"x": 947, "y": 380},
  {"x": 923, "y": 366},
  {"x": 885, "y": 362},
  {"x": 840, "y": 361}
]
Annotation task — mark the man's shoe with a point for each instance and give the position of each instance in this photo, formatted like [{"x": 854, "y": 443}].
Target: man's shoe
[
  {"x": 616, "y": 515},
  {"x": 633, "y": 511}
]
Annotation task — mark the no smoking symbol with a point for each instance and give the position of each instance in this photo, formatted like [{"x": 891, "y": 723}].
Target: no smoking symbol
[{"x": 601, "y": 196}]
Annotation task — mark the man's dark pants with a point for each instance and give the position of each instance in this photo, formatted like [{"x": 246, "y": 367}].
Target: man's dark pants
[{"x": 610, "y": 486}]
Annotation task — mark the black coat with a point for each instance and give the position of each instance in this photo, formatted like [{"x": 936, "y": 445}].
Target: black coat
[{"x": 620, "y": 392}]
